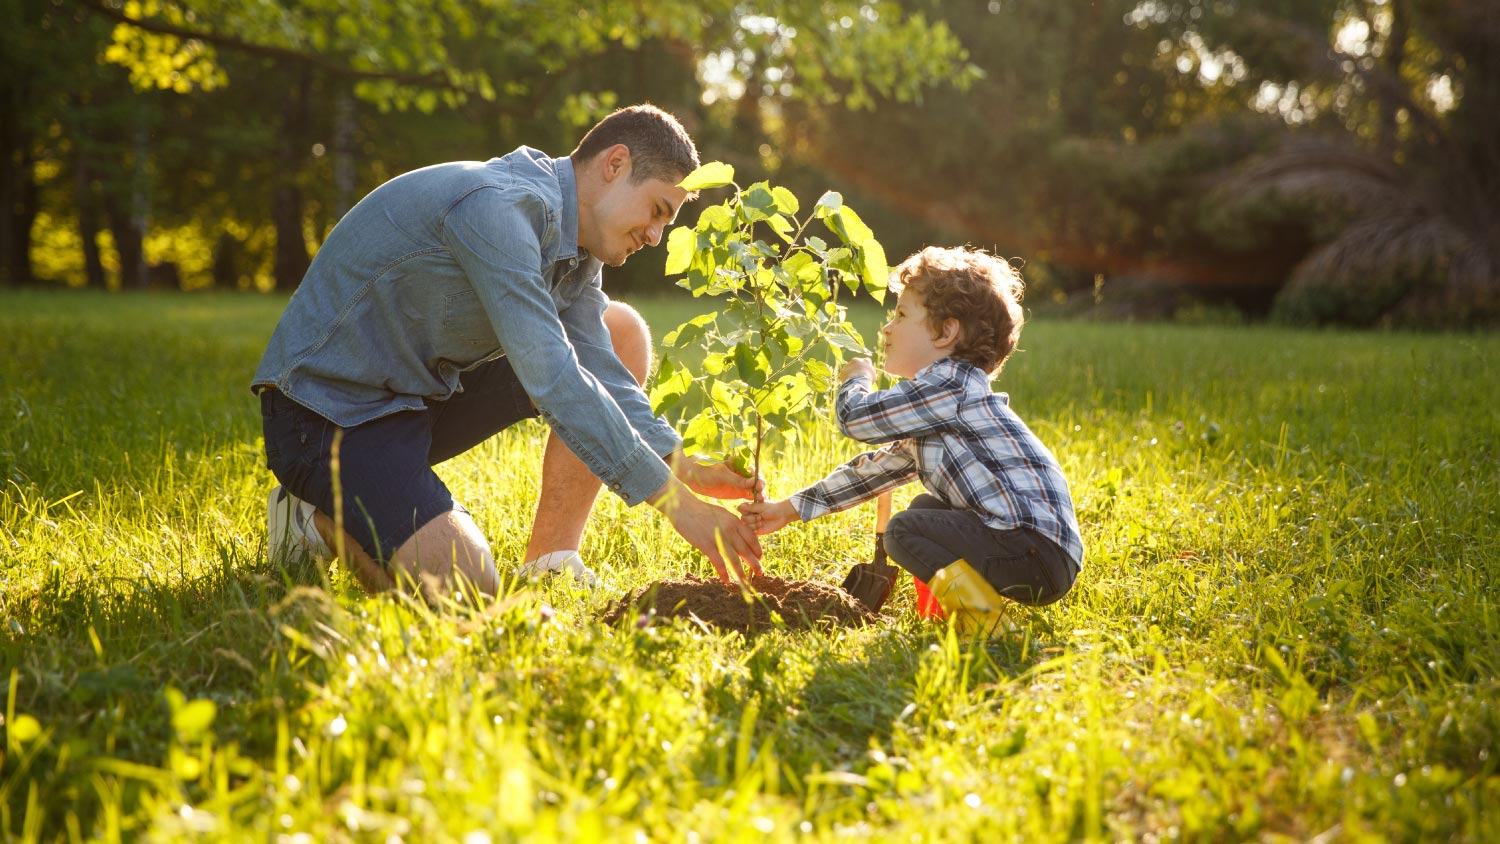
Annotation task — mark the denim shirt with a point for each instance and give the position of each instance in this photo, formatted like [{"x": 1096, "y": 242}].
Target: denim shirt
[{"x": 444, "y": 268}]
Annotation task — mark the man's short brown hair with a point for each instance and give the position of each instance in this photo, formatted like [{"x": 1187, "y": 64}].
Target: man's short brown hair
[
  {"x": 974, "y": 287},
  {"x": 659, "y": 147}
]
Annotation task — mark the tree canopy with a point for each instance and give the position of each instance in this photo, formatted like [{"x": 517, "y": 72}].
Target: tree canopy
[{"x": 1319, "y": 161}]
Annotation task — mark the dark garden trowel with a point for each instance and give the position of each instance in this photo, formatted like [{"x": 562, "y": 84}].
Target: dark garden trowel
[{"x": 870, "y": 583}]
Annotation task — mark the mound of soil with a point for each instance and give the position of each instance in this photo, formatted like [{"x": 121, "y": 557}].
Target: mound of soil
[{"x": 801, "y": 604}]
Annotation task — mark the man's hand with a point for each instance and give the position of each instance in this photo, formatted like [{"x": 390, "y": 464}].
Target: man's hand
[
  {"x": 858, "y": 366},
  {"x": 769, "y": 516},
  {"x": 728, "y": 543},
  {"x": 717, "y": 480}
]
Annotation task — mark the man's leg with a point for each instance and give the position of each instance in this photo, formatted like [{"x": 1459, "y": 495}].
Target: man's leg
[
  {"x": 391, "y": 499},
  {"x": 443, "y": 553},
  {"x": 568, "y": 487}
]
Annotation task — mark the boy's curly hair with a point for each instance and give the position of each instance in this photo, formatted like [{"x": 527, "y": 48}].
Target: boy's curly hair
[{"x": 974, "y": 287}]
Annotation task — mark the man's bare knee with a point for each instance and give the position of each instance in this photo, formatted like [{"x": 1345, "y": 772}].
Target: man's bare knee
[
  {"x": 631, "y": 337},
  {"x": 445, "y": 552}
]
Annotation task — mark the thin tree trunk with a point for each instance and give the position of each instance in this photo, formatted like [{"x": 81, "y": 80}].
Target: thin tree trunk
[
  {"x": 128, "y": 224},
  {"x": 1387, "y": 135},
  {"x": 129, "y": 245},
  {"x": 343, "y": 152},
  {"x": 226, "y": 268},
  {"x": 291, "y": 259},
  {"x": 87, "y": 203},
  {"x": 18, "y": 193}
]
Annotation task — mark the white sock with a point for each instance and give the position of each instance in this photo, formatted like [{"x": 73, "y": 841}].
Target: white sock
[
  {"x": 553, "y": 561},
  {"x": 558, "y": 561}
]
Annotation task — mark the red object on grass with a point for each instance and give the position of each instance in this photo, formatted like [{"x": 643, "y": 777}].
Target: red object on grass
[{"x": 927, "y": 606}]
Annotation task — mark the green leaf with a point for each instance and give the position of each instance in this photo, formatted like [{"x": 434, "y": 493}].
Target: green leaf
[
  {"x": 193, "y": 718},
  {"x": 689, "y": 331},
  {"x": 847, "y": 343},
  {"x": 681, "y": 244},
  {"x": 670, "y": 387},
  {"x": 757, "y": 203},
  {"x": 701, "y": 434},
  {"x": 724, "y": 399},
  {"x": 716, "y": 218},
  {"x": 786, "y": 201},
  {"x": 848, "y": 226},
  {"x": 781, "y": 226},
  {"x": 819, "y": 374},
  {"x": 773, "y": 402},
  {"x": 714, "y": 363},
  {"x": 750, "y": 365},
  {"x": 873, "y": 268},
  {"x": 829, "y": 204},
  {"x": 741, "y": 461},
  {"x": 714, "y": 174}
]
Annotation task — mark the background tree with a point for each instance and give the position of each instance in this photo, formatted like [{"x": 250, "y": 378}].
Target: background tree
[
  {"x": 1328, "y": 160},
  {"x": 1179, "y": 153},
  {"x": 425, "y": 57}
]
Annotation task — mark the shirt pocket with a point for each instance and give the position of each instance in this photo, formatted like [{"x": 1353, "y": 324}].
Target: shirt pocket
[{"x": 465, "y": 321}]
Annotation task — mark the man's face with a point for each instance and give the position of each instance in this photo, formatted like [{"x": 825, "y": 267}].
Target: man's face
[{"x": 631, "y": 215}]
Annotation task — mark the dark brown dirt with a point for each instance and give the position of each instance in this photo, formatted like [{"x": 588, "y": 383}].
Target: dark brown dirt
[{"x": 801, "y": 604}]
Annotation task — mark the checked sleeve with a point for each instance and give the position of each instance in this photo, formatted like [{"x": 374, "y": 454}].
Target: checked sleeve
[
  {"x": 861, "y": 479},
  {"x": 924, "y": 405}
]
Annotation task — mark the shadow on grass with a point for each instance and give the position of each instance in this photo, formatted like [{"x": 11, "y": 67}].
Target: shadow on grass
[{"x": 92, "y": 662}]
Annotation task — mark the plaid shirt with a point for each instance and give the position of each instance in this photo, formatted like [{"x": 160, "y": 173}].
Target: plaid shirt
[{"x": 946, "y": 427}]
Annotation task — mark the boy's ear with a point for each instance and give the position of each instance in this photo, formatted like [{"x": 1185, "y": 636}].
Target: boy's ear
[{"x": 949, "y": 335}]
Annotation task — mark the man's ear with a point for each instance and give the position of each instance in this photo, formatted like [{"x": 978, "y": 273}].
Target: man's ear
[
  {"x": 949, "y": 335},
  {"x": 616, "y": 162}
]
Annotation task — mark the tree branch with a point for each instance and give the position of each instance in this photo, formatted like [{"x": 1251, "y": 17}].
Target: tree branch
[{"x": 436, "y": 79}]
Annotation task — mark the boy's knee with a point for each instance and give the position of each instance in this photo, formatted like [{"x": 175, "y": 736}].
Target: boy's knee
[{"x": 631, "y": 338}]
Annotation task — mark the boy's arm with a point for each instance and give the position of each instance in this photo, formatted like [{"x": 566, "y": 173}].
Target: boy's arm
[
  {"x": 912, "y": 408},
  {"x": 859, "y": 480}
]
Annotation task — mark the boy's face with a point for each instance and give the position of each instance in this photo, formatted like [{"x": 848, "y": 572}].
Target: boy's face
[{"x": 909, "y": 342}]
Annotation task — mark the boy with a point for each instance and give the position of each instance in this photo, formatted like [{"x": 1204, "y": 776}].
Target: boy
[{"x": 997, "y": 518}]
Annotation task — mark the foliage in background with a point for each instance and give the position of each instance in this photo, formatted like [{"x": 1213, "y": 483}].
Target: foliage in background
[
  {"x": 764, "y": 357},
  {"x": 1163, "y": 150},
  {"x": 262, "y": 122},
  {"x": 1145, "y": 158}
]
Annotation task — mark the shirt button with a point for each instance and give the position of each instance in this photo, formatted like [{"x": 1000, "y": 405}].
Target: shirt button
[{"x": 614, "y": 486}]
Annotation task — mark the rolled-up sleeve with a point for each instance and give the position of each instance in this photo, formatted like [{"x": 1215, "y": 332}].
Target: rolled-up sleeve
[
  {"x": 496, "y": 235},
  {"x": 584, "y": 324}
]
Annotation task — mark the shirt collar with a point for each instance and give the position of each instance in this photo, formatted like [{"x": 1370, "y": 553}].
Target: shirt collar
[
  {"x": 953, "y": 367},
  {"x": 567, "y": 182},
  {"x": 946, "y": 366}
]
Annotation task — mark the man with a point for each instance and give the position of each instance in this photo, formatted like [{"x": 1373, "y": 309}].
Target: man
[{"x": 454, "y": 301}]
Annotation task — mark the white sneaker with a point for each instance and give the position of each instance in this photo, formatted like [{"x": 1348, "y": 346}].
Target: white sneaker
[
  {"x": 290, "y": 529},
  {"x": 559, "y": 561}
]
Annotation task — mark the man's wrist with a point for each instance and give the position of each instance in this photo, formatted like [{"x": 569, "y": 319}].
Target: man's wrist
[{"x": 672, "y": 497}]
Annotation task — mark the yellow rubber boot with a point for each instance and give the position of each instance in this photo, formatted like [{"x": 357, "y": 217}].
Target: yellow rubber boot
[{"x": 975, "y": 605}]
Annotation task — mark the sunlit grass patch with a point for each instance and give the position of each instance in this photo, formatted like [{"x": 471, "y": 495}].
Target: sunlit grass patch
[{"x": 1286, "y": 626}]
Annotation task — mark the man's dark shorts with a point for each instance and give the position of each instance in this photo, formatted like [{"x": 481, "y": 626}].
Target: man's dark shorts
[{"x": 385, "y": 466}]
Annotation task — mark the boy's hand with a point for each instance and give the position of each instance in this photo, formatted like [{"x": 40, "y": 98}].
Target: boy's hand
[
  {"x": 717, "y": 480},
  {"x": 769, "y": 516},
  {"x": 857, "y": 366}
]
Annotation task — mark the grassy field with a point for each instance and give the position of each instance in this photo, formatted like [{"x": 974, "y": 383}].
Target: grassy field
[{"x": 1286, "y": 628}]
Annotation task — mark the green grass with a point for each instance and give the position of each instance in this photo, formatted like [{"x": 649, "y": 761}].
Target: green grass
[{"x": 1286, "y": 628}]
